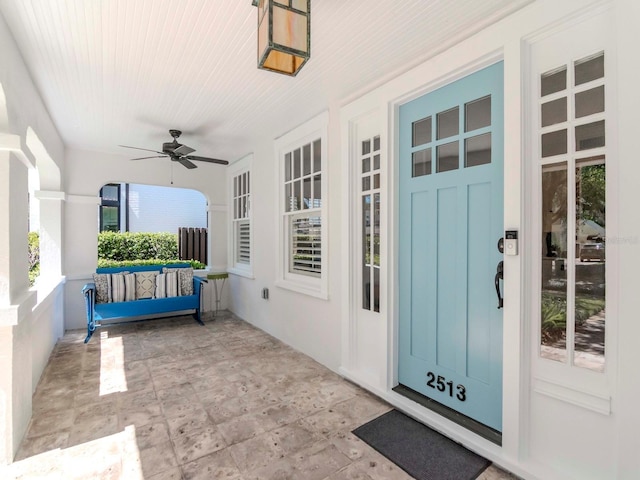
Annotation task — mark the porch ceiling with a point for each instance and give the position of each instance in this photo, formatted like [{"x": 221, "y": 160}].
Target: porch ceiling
[{"x": 124, "y": 72}]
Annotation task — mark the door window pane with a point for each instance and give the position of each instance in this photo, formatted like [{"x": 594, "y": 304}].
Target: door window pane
[
  {"x": 590, "y": 102},
  {"x": 477, "y": 150},
  {"x": 554, "y": 143},
  {"x": 589, "y": 68},
  {"x": 478, "y": 114},
  {"x": 553, "y": 305},
  {"x": 554, "y": 112},
  {"x": 590, "y": 136},
  {"x": 447, "y": 157},
  {"x": 553, "y": 81},
  {"x": 366, "y": 164},
  {"x": 366, "y": 252},
  {"x": 590, "y": 267},
  {"x": 421, "y": 163},
  {"x": 421, "y": 132},
  {"x": 448, "y": 123}
]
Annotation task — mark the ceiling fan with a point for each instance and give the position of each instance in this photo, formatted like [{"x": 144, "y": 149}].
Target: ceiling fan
[{"x": 178, "y": 152}]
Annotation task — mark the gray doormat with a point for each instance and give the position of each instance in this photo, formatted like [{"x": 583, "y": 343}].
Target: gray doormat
[{"x": 420, "y": 451}]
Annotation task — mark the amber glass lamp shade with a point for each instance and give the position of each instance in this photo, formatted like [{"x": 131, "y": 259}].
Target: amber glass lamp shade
[{"x": 284, "y": 28}]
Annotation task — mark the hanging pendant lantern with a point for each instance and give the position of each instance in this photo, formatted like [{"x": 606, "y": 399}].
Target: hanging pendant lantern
[{"x": 284, "y": 35}]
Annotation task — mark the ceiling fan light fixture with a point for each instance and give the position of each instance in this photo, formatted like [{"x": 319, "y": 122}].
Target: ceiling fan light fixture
[{"x": 284, "y": 35}]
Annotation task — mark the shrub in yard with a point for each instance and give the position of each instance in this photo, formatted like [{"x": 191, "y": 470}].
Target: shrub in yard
[
  {"x": 134, "y": 246},
  {"x": 104, "y": 263},
  {"x": 34, "y": 256}
]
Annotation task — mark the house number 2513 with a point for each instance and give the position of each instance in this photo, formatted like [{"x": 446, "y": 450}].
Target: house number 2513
[{"x": 440, "y": 383}]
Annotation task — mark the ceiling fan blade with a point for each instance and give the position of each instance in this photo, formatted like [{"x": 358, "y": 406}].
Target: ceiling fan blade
[
  {"x": 183, "y": 150},
  {"x": 207, "y": 159},
  {"x": 144, "y": 158},
  {"x": 187, "y": 163},
  {"x": 138, "y": 148}
]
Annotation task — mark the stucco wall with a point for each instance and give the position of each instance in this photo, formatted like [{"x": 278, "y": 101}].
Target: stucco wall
[
  {"x": 25, "y": 343},
  {"x": 548, "y": 434}
]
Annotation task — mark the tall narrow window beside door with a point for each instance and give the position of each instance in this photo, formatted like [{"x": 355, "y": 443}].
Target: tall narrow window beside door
[
  {"x": 370, "y": 193},
  {"x": 573, "y": 151}
]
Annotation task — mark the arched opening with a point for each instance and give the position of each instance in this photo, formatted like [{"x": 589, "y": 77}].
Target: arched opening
[{"x": 162, "y": 213}]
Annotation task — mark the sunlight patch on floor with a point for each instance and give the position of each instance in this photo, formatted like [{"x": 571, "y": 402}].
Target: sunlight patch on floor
[
  {"x": 113, "y": 456},
  {"x": 112, "y": 374}
]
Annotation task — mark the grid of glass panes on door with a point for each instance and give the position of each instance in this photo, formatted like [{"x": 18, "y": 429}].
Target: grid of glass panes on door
[
  {"x": 242, "y": 225},
  {"x": 457, "y": 135},
  {"x": 573, "y": 181},
  {"x": 370, "y": 194}
]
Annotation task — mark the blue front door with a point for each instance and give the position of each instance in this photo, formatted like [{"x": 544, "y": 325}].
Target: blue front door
[{"x": 450, "y": 221}]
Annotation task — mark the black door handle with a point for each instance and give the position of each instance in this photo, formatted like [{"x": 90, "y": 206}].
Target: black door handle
[{"x": 499, "y": 276}]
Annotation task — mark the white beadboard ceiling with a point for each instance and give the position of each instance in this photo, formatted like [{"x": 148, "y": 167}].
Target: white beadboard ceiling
[{"x": 126, "y": 71}]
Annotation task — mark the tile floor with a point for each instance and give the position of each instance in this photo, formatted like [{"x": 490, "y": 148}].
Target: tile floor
[{"x": 169, "y": 399}]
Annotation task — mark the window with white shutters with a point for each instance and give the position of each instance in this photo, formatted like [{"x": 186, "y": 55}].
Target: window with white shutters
[
  {"x": 302, "y": 259},
  {"x": 240, "y": 236}
]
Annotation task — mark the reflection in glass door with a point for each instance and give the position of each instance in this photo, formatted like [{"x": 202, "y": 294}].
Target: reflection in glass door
[
  {"x": 370, "y": 194},
  {"x": 573, "y": 226}
]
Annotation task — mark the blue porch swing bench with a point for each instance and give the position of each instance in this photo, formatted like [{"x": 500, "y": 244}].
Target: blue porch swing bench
[{"x": 132, "y": 310}]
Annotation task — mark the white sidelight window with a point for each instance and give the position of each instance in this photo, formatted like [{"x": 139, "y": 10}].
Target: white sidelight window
[
  {"x": 573, "y": 154},
  {"x": 370, "y": 191},
  {"x": 302, "y": 246},
  {"x": 240, "y": 240}
]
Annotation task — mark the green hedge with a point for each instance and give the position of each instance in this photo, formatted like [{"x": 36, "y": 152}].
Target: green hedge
[
  {"x": 134, "y": 246},
  {"x": 104, "y": 263},
  {"x": 34, "y": 256}
]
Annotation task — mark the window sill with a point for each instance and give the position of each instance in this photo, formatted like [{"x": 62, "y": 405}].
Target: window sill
[
  {"x": 306, "y": 289},
  {"x": 240, "y": 272}
]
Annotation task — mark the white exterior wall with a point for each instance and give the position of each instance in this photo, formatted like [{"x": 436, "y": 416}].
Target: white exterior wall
[
  {"x": 551, "y": 430},
  {"x": 164, "y": 210},
  {"x": 30, "y": 321}
]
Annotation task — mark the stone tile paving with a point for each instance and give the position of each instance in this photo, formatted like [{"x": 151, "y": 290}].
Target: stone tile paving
[{"x": 171, "y": 400}]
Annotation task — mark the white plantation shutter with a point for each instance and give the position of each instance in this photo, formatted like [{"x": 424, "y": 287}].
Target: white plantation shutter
[
  {"x": 241, "y": 220},
  {"x": 243, "y": 236},
  {"x": 306, "y": 245}
]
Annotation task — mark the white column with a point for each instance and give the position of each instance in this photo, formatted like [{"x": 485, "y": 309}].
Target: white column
[
  {"x": 51, "y": 211},
  {"x": 217, "y": 237},
  {"x": 16, "y": 300}
]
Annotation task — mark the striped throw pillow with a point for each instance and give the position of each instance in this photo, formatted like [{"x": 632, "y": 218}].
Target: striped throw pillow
[
  {"x": 172, "y": 284},
  {"x": 117, "y": 287},
  {"x": 129, "y": 287},
  {"x": 161, "y": 286},
  {"x": 185, "y": 279}
]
